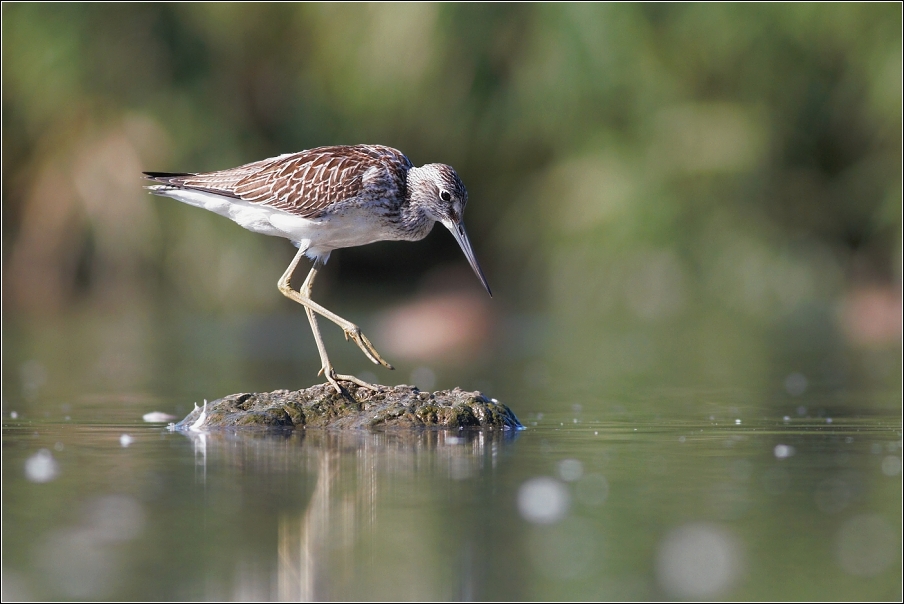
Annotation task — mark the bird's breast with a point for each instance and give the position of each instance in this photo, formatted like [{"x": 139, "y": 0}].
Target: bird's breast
[{"x": 348, "y": 227}]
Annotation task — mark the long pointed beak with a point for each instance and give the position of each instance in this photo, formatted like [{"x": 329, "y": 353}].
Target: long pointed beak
[{"x": 458, "y": 231}]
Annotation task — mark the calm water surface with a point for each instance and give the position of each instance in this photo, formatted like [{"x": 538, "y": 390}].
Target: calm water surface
[{"x": 654, "y": 493}]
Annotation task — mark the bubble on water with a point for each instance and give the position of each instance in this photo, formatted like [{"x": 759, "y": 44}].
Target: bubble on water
[
  {"x": 786, "y": 419},
  {"x": 543, "y": 500},
  {"x": 737, "y": 421},
  {"x": 891, "y": 465},
  {"x": 567, "y": 550},
  {"x": 41, "y": 467},
  {"x": 783, "y": 451},
  {"x": 125, "y": 440},
  {"x": 866, "y": 545},
  {"x": 161, "y": 417},
  {"x": 592, "y": 489},
  {"x": 699, "y": 560},
  {"x": 796, "y": 384},
  {"x": 13, "y": 414},
  {"x": 570, "y": 470},
  {"x": 681, "y": 439},
  {"x": 59, "y": 446},
  {"x": 424, "y": 378}
]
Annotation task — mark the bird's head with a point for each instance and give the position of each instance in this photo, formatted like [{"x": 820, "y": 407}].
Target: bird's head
[{"x": 440, "y": 194}]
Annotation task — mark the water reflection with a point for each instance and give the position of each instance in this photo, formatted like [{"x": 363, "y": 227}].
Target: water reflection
[
  {"x": 317, "y": 542},
  {"x": 597, "y": 509}
]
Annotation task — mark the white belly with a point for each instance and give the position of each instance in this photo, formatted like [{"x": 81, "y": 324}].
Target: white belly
[{"x": 318, "y": 237}]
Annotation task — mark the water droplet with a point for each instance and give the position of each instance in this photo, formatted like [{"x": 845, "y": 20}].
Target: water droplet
[
  {"x": 783, "y": 451},
  {"x": 543, "y": 500},
  {"x": 592, "y": 489},
  {"x": 796, "y": 384},
  {"x": 891, "y": 465},
  {"x": 41, "y": 467},
  {"x": 865, "y": 545},
  {"x": 160, "y": 416},
  {"x": 570, "y": 470},
  {"x": 698, "y": 560}
]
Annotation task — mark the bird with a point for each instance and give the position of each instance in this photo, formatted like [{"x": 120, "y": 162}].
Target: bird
[{"x": 328, "y": 198}]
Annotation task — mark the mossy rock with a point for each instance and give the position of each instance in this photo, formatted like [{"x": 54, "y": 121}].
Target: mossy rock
[{"x": 357, "y": 408}]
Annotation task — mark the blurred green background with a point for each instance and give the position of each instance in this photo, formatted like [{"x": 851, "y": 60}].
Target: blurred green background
[
  {"x": 691, "y": 219},
  {"x": 674, "y": 195}
]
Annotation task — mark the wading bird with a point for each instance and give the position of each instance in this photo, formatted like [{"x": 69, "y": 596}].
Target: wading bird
[{"x": 329, "y": 198}]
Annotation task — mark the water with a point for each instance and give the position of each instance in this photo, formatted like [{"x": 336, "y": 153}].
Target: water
[{"x": 641, "y": 493}]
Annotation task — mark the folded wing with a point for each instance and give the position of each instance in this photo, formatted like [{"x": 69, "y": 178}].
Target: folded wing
[{"x": 303, "y": 183}]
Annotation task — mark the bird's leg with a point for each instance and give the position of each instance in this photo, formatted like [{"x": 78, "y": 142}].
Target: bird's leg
[
  {"x": 303, "y": 297},
  {"x": 326, "y": 367}
]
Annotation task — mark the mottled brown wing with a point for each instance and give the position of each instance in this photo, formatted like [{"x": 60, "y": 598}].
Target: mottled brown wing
[{"x": 304, "y": 183}]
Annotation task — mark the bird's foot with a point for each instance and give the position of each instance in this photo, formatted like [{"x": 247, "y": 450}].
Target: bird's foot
[
  {"x": 354, "y": 332},
  {"x": 334, "y": 379}
]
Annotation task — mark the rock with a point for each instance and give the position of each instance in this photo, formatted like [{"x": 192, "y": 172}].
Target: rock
[{"x": 358, "y": 408}]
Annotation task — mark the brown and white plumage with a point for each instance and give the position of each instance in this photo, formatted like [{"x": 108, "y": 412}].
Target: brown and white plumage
[
  {"x": 329, "y": 198},
  {"x": 306, "y": 183}
]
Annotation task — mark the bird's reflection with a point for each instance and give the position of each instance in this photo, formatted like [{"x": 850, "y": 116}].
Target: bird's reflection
[{"x": 319, "y": 538}]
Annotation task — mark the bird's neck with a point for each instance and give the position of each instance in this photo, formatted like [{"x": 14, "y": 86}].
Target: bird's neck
[{"x": 414, "y": 220}]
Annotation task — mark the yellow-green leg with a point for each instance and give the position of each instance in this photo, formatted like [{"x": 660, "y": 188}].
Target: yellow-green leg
[{"x": 303, "y": 297}]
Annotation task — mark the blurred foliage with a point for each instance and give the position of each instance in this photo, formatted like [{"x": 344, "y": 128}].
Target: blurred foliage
[
  {"x": 685, "y": 211},
  {"x": 698, "y": 171}
]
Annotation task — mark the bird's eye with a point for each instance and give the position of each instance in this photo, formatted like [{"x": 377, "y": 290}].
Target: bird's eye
[{"x": 444, "y": 195}]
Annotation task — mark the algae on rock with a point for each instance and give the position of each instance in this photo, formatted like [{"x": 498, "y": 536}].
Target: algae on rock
[{"x": 358, "y": 408}]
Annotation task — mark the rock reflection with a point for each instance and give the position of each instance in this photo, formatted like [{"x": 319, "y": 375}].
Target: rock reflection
[{"x": 318, "y": 545}]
